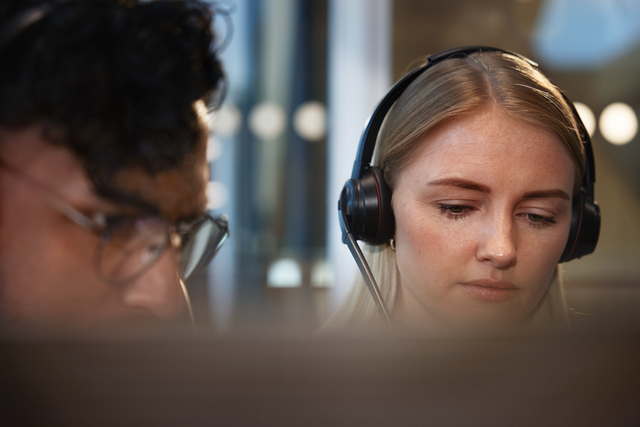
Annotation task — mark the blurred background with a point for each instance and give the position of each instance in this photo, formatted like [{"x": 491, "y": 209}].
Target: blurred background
[{"x": 304, "y": 76}]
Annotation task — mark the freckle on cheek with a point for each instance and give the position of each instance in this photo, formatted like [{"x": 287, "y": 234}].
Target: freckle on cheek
[{"x": 457, "y": 240}]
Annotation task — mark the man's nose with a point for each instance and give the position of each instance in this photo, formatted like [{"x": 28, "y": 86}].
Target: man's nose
[
  {"x": 498, "y": 241},
  {"x": 158, "y": 290}
]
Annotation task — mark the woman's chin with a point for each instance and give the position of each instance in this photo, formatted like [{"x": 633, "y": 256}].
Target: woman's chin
[{"x": 483, "y": 323}]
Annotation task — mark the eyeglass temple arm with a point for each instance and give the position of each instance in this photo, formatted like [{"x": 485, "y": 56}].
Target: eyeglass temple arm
[
  {"x": 72, "y": 213},
  {"x": 59, "y": 204}
]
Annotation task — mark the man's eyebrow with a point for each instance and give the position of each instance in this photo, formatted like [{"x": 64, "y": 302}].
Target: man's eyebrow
[
  {"x": 462, "y": 183},
  {"x": 127, "y": 201},
  {"x": 545, "y": 194}
]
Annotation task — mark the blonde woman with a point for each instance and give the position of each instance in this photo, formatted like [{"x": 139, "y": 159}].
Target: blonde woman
[{"x": 489, "y": 190}]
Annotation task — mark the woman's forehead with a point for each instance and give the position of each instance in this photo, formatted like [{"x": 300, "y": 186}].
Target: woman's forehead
[{"x": 491, "y": 142}]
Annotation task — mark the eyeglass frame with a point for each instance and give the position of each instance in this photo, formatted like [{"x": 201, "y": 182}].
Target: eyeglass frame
[{"x": 98, "y": 226}]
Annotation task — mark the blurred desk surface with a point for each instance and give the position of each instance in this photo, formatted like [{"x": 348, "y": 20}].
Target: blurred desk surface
[{"x": 338, "y": 381}]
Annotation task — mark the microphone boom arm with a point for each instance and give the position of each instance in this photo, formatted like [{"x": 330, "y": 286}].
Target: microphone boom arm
[{"x": 350, "y": 241}]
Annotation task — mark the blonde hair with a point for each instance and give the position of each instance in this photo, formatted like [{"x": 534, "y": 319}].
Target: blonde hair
[{"x": 442, "y": 93}]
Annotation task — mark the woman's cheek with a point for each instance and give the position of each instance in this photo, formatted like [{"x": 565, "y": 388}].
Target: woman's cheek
[{"x": 547, "y": 248}]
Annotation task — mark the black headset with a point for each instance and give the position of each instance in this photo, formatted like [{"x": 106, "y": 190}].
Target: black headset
[{"x": 365, "y": 201}]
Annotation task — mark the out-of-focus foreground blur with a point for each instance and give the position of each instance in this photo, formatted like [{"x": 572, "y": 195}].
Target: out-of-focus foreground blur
[
  {"x": 544, "y": 381},
  {"x": 304, "y": 76}
]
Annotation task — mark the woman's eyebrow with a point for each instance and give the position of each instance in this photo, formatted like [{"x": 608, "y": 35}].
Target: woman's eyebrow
[
  {"x": 544, "y": 194},
  {"x": 470, "y": 185},
  {"x": 461, "y": 183}
]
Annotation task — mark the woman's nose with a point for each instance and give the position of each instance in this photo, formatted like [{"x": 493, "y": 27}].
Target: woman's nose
[
  {"x": 158, "y": 290},
  {"x": 498, "y": 242}
]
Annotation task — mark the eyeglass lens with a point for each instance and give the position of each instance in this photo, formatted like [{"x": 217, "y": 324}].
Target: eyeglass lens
[
  {"x": 131, "y": 246},
  {"x": 200, "y": 244}
]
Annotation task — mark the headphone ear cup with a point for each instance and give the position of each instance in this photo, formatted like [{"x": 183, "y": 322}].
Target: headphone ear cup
[
  {"x": 585, "y": 228},
  {"x": 367, "y": 205},
  {"x": 387, "y": 221}
]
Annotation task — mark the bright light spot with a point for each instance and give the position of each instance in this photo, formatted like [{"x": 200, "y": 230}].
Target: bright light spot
[
  {"x": 214, "y": 149},
  {"x": 310, "y": 121},
  {"x": 587, "y": 117},
  {"x": 366, "y": 122},
  {"x": 618, "y": 123},
  {"x": 217, "y": 195},
  {"x": 202, "y": 111},
  {"x": 267, "y": 120},
  {"x": 284, "y": 273},
  {"x": 321, "y": 274},
  {"x": 226, "y": 121}
]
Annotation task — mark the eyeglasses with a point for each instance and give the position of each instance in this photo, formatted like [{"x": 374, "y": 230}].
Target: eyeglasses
[{"x": 130, "y": 244}]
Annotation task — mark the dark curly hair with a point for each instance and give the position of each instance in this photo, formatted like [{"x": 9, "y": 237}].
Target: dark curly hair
[{"x": 115, "y": 81}]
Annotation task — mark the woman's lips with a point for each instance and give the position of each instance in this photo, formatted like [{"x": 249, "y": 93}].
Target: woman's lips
[{"x": 490, "y": 290}]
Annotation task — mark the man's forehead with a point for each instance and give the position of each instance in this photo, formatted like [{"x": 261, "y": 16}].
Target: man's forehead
[
  {"x": 176, "y": 193},
  {"x": 52, "y": 166}
]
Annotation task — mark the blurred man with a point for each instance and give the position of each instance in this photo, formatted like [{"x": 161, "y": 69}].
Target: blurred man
[{"x": 102, "y": 159}]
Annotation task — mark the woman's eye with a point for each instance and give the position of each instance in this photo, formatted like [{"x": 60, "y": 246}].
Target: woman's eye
[
  {"x": 535, "y": 218},
  {"x": 455, "y": 211},
  {"x": 539, "y": 220}
]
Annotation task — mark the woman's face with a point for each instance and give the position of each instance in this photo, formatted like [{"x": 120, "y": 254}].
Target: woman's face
[{"x": 482, "y": 218}]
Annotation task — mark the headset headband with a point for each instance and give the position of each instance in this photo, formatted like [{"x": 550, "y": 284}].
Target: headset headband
[{"x": 370, "y": 134}]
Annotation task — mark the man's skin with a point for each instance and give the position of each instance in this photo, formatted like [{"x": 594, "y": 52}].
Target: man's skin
[{"x": 47, "y": 281}]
